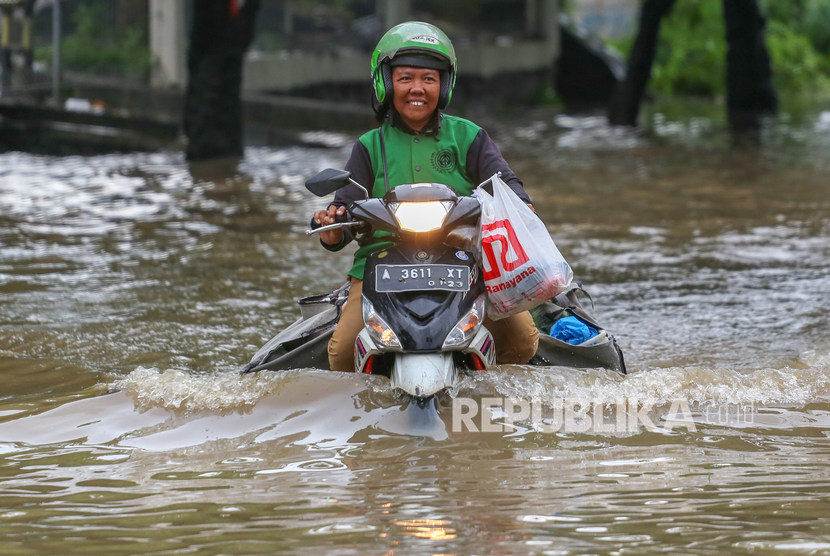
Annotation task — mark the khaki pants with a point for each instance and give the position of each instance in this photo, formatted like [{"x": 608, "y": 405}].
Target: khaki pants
[{"x": 516, "y": 337}]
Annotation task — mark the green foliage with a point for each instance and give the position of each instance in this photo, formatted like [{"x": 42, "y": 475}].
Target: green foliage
[
  {"x": 797, "y": 67},
  {"x": 784, "y": 10},
  {"x": 816, "y": 25},
  {"x": 798, "y": 36},
  {"x": 97, "y": 46},
  {"x": 691, "y": 52}
]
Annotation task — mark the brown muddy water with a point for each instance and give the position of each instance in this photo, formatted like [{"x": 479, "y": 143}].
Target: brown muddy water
[{"x": 133, "y": 287}]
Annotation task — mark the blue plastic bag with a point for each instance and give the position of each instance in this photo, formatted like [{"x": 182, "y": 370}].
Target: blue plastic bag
[{"x": 572, "y": 331}]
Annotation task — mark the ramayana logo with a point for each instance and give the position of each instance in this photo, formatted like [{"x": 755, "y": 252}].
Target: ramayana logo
[
  {"x": 502, "y": 249},
  {"x": 512, "y": 282},
  {"x": 568, "y": 415}
]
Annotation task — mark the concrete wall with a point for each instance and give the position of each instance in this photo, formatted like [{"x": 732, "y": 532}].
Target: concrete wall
[{"x": 284, "y": 72}]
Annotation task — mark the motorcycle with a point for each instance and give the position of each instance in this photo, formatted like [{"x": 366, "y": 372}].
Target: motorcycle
[{"x": 424, "y": 300}]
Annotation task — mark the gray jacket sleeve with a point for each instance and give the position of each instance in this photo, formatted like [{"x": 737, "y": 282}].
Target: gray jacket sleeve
[
  {"x": 359, "y": 166},
  {"x": 485, "y": 159}
]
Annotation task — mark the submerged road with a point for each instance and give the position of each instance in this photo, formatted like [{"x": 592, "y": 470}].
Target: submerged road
[{"x": 133, "y": 287}]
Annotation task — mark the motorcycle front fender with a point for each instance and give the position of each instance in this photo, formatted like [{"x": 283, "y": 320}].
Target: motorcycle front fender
[{"x": 423, "y": 374}]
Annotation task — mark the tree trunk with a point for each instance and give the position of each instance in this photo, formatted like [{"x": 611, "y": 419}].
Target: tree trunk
[
  {"x": 750, "y": 92},
  {"x": 221, "y": 33},
  {"x": 625, "y": 103}
]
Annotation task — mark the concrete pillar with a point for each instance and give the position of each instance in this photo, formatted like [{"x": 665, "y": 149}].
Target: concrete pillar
[
  {"x": 15, "y": 42},
  {"x": 168, "y": 43},
  {"x": 288, "y": 18},
  {"x": 542, "y": 22},
  {"x": 531, "y": 16},
  {"x": 549, "y": 22},
  {"x": 393, "y": 12},
  {"x": 56, "y": 53}
]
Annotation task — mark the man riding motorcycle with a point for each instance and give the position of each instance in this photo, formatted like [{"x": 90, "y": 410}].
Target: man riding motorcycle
[{"x": 413, "y": 73}]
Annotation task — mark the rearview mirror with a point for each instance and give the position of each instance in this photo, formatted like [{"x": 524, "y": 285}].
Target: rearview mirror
[{"x": 328, "y": 181}]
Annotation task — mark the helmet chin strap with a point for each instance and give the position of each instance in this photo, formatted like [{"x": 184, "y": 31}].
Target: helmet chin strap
[
  {"x": 446, "y": 88},
  {"x": 383, "y": 156},
  {"x": 386, "y": 76}
]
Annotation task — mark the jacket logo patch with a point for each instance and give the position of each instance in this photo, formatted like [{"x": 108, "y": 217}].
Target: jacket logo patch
[{"x": 443, "y": 161}]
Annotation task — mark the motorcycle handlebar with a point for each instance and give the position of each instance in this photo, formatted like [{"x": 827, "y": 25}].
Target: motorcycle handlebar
[
  {"x": 338, "y": 219},
  {"x": 341, "y": 221}
]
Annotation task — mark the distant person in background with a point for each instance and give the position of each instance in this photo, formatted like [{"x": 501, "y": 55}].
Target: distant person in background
[
  {"x": 750, "y": 92},
  {"x": 220, "y": 35}
]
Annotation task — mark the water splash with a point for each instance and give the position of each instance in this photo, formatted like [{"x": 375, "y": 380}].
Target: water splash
[
  {"x": 787, "y": 386},
  {"x": 594, "y": 133},
  {"x": 187, "y": 392}
]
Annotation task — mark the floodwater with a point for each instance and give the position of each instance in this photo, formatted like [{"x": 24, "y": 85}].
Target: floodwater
[{"x": 134, "y": 287}]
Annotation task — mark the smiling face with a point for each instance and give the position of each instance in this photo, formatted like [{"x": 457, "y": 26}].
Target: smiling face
[{"x": 416, "y": 92}]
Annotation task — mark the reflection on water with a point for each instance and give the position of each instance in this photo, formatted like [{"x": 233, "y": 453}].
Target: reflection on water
[{"x": 133, "y": 287}]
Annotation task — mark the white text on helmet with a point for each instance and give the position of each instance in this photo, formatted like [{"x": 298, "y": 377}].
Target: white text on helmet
[{"x": 424, "y": 38}]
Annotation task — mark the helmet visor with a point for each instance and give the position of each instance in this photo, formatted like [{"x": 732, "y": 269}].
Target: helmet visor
[{"x": 419, "y": 60}]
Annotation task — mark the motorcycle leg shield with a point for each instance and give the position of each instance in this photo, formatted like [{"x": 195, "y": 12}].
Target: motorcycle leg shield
[
  {"x": 484, "y": 347},
  {"x": 364, "y": 349}
]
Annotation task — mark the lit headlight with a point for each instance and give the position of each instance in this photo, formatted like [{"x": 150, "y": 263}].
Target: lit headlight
[
  {"x": 380, "y": 332},
  {"x": 421, "y": 217},
  {"x": 463, "y": 332}
]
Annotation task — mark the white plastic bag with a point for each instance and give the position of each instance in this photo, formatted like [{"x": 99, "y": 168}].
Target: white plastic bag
[{"x": 522, "y": 266}]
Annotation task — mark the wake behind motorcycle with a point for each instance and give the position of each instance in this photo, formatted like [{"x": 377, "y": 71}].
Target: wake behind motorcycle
[{"x": 423, "y": 299}]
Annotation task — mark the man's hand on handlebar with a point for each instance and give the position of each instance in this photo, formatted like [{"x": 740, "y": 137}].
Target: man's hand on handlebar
[{"x": 326, "y": 217}]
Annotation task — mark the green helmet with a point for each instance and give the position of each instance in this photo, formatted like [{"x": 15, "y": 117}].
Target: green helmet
[{"x": 413, "y": 43}]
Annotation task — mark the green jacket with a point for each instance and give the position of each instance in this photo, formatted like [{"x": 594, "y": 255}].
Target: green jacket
[{"x": 459, "y": 154}]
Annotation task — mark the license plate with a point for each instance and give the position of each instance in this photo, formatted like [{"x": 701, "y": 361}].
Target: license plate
[{"x": 404, "y": 278}]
